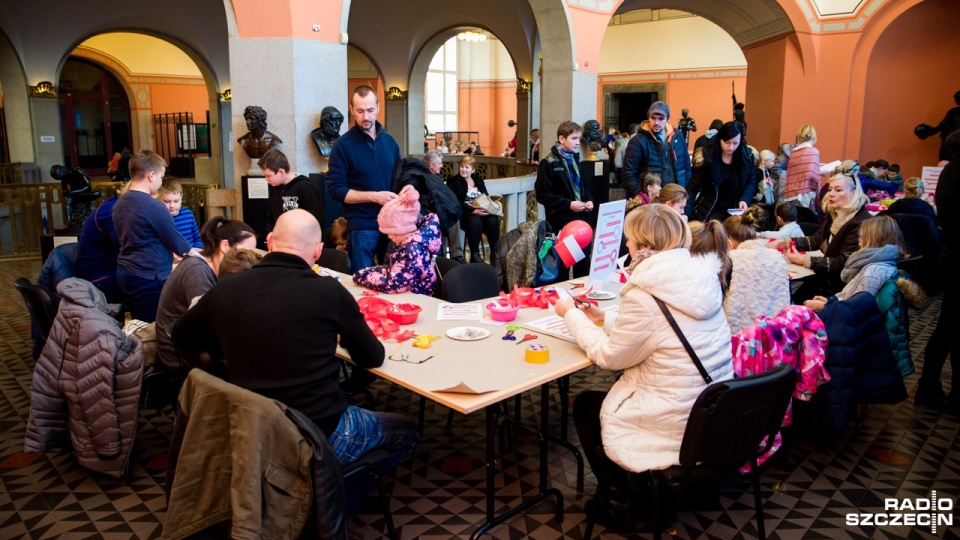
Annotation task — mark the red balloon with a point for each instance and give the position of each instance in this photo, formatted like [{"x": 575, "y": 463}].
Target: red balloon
[{"x": 581, "y": 231}]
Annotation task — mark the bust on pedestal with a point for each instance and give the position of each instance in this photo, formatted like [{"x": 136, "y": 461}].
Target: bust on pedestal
[
  {"x": 258, "y": 140},
  {"x": 592, "y": 141},
  {"x": 329, "y": 131}
]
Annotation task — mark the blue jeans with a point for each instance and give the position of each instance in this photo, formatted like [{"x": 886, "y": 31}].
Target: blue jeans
[
  {"x": 362, "y": 246},
  {"x": 361, "y": 431},
  {"x": 141, "y": 295}
]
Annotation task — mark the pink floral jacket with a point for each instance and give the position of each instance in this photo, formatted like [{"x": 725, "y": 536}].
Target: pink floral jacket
[
  {"x": 408, "y": 266},
  {"x": 796, "y": 336}
]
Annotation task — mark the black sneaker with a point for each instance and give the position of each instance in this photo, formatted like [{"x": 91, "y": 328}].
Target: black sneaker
[
  {"x": 935, "y": 399},
  {"x": 459, "y": 259}
]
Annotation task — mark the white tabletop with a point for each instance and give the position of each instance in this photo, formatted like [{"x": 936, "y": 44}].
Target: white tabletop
[{"x": 494, "y": 369}]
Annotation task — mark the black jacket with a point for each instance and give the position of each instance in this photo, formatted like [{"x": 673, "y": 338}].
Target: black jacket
[
  {"x": 297, "y": 193},
  {"x": 458, "y": 185},
  {"x": 645, "y": 154},
  {"x": 277, "y": 325},
  {"x": 555, "y": 190},
  {"x": 860, "y": 363},
  {"x": 705, "y": 194},
  {"x": 835, "y": 250}
]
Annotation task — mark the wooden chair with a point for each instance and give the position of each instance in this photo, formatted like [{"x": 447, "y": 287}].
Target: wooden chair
[{"x": 217, "y": 201}]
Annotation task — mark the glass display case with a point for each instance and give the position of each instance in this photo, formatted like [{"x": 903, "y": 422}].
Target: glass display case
[{"x": 455, "y": 141}]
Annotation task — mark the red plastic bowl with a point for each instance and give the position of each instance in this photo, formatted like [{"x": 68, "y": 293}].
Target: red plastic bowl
[{"x": 404, "y": 313}]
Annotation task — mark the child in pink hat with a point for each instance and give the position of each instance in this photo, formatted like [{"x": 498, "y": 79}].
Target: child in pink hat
[{"x": 414, "y": 240}]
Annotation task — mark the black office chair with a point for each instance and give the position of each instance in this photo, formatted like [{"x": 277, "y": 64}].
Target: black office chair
[
  {"x": 471, "y": 282},
  {"x": 42, "y": 309},
  {"x": 724, "y": 431},
  {"x": 442, "y": 266},
  {"x": 808, "y": 227},
  {"x": 335, "y": 259},
  {"x": 923, "y": 242}
]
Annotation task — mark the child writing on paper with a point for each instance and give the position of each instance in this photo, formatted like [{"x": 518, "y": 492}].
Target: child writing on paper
[{"x": 415, "y": 239}]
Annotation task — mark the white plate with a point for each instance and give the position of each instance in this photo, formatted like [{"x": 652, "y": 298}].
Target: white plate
[
  {"x": 468, "y": 333},
  {"x": 601, "y": 295}
]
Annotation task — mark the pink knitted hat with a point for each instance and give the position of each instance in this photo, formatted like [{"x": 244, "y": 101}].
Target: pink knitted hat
[{"x": 399, "y": 216}]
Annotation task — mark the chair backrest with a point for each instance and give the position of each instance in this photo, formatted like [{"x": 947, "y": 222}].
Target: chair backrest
[
  {"x": 444, "y": 265},
  {"x": 40, "y": 304},
  {"x": 217, "y": 201},
  {"x": 923, "y": 242},
  {"x": 806, "y": 215},
  {"x": 335, "y": 259},
  {"x": 808, "y": 227},
  {"x": 731, "y": 418},
  {"x": 470, "y": 282}
]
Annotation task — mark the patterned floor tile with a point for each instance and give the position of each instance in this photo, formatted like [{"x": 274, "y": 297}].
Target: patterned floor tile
[{"x": 896, "y": 451}]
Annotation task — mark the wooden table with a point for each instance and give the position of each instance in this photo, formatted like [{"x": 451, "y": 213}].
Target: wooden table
[{"x": 471, "y": 360}]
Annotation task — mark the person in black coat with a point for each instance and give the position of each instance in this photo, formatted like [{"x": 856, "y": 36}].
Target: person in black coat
[
  {"x": 560, "y": 188},
  {"x": 724, "y": 176},
  {"x": 941, "y": 344},
  {"x": 474, "y": 222}
]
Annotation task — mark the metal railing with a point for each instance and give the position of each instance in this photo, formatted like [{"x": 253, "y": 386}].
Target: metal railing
[{"x": 23, "y": 208}]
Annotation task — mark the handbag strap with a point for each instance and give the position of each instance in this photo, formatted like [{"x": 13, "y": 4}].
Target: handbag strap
[{"x": 683, "y": 339}]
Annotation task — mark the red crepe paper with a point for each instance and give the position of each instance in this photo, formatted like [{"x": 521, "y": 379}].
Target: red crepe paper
[
  {"x": 374, "y": 311},
  {"x": 541, "y": 298}
]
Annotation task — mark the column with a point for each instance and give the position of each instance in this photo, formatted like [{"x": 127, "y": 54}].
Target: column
[{"x": 395, "y": 113}]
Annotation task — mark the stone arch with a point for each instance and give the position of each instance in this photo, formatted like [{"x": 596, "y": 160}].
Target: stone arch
[
  {"x": 418, "y": 77},
  {"x": 143, "y": 124},
  {"x": 14, "y": 84},
  {"x": 927, "y": 101}
]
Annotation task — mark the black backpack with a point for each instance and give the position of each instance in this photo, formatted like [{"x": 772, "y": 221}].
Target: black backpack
[{"x": 435, "y": 196}]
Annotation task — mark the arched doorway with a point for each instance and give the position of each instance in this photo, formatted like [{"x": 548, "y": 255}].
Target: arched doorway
[{"x": 94, "y": 115}]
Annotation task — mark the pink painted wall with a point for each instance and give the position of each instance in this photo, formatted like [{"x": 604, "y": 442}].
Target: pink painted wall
[
  {"x": 487, "y": 109},
  {"x": 912, "y": 78},
  {"x": 171, "y": 98}
]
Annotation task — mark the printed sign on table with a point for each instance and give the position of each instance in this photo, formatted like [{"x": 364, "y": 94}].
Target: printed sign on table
[
  {"x": 930, "y": 177},
  {"x": 606, "y": 242},
  {"x": 459, "y": 312}
]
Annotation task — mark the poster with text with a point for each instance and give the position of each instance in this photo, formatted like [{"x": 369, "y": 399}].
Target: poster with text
[
  {"x": 606, "y": 242},
  {"x": 930, "y": 176}
]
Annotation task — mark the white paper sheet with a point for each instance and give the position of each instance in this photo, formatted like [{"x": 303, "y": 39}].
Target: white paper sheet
[
  {"x": 459, "y": 312},
  {"x": 551, "y": 325}
]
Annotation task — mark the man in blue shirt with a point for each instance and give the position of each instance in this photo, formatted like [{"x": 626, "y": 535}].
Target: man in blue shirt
[
  {"x": 148, "y": 237},
  {"x": 360, "y": 168}
]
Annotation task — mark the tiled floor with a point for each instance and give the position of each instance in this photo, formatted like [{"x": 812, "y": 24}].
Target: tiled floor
[{"x": 897, "y": 451}]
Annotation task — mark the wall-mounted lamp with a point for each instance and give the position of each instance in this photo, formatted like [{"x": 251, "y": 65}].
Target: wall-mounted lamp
[
  {"x": 226, "y": 95},
  {"x": 523, "y": 87},
  {"x": 472, "y": 35},
  {"x": 395, "y": 94},
  {"x": 44, "y": 89}
]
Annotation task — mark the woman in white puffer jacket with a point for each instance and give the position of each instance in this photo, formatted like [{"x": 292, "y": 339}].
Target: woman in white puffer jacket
[{"x": 643, "y": 417}]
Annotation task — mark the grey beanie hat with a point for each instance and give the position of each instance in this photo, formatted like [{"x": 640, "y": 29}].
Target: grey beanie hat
[{"x": 659, "y": 107}]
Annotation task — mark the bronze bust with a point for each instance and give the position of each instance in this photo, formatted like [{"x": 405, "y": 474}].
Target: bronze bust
[
  {"x": 329, "y": 131},
  {"x": 258, "y": 140},
  {"x": 592, "y": 140}
]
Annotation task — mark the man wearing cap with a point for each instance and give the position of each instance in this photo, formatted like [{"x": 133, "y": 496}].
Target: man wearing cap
[{"x": 657, "y": 148}]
